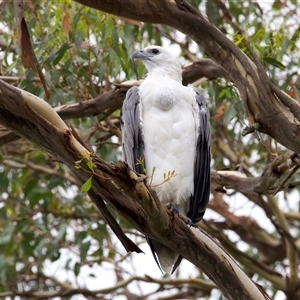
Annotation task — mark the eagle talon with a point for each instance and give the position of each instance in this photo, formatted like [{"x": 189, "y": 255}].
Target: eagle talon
[
  {"x": 172, "y": 207},
  {"x": 187, "y": 221}
]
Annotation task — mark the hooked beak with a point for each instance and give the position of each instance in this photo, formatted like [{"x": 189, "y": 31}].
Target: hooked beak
[{"x": 141, "y": 54}]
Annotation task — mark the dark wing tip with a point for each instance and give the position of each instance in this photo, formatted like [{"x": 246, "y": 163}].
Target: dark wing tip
[
  {"x": 149, "y": 241},
  {"x": 199, "y": 200}
]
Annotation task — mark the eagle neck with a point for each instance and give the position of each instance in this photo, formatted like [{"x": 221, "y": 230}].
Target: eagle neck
[{"x": 170, "y": 72}]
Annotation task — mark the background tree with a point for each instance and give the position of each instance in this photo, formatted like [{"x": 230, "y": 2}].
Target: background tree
[{"x": 47, "y": 221}]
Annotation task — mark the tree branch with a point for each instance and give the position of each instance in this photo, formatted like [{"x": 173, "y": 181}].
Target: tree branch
[
  {"x": 263, "y": 184},
  {"x": 124, "y": 190}
]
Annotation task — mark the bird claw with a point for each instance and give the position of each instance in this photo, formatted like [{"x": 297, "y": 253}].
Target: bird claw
[
  {"x": 187, "y": 221},
  {"x": 172, "y": 207}
]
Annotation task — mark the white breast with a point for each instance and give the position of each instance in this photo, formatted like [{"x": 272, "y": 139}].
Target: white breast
[{"x": 170, "y": 128}]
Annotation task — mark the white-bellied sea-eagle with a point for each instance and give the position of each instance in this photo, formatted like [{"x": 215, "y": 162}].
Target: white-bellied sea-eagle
[{"x": 166, "y": 132}]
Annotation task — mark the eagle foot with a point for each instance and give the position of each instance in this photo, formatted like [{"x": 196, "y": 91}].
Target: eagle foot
[
  {"x": 173, "y": 209},
  {"x": 187, "y": 221}
]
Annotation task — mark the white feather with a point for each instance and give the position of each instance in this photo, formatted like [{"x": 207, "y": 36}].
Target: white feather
[{"x": 170, "y": 134}]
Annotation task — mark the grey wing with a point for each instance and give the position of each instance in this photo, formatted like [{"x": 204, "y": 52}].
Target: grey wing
[
  {"x": 199, "y": 200},
  {"x": 132, "y": 135},
  {"x": 133, "y": 142}
]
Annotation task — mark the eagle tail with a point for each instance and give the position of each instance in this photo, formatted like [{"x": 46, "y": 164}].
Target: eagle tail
[{"x": 166, "y": 259}]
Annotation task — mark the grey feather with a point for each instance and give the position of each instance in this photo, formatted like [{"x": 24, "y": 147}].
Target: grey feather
[{"x": 132, "y": 136}]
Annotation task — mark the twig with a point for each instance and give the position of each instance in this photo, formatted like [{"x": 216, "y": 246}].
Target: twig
[{"x": 294, "y": 170}]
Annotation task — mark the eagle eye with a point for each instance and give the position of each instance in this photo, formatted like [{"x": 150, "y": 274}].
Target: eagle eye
[{"x": 154, "y": 51}]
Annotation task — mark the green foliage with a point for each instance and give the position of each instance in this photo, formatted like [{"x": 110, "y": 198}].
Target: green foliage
[{"x": 87, "y": 185}]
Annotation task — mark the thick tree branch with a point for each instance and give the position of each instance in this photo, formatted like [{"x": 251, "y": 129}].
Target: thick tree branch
[
  {"x": 202, "y": 68},
  {"x": 111, "y": 100},
  {"x": 125, "y": 191}
]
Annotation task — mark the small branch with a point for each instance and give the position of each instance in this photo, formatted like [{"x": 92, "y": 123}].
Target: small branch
[
  {"x": 165, "y": 281},
  {"x": 294, "y": 170},
  {"x": 202, "y": 68},
  {"x": 22, "y": 164},
  {"x": 290, "y": 247},
  {"x": 248, "y": 230},
  {"x": 68, "y": 290},
  {"x": 292, "y": 215}
]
